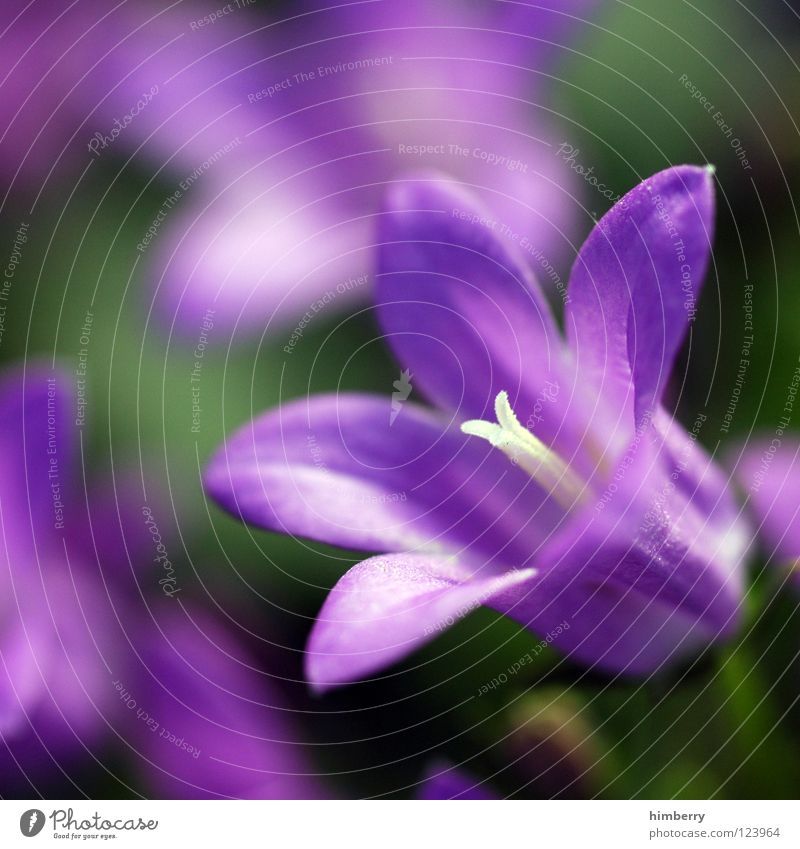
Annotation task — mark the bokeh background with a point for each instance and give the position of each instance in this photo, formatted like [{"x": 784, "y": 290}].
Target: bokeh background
[{"x": 616, "y": 85}]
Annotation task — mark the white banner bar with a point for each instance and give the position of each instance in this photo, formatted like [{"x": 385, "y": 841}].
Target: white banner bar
[{"x": 402, "y": 824}]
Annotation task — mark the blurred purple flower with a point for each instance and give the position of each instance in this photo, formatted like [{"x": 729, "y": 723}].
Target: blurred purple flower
[
  {"x": 205, "y": 721},
  {"x": 769, "y": 472},
  {"x": 274, "y": 139},
  {"x": 78, "y": 628},
  {"x": 611, "y": 534},
  {"x": 443, "y": 781},
  {"x": 54, "y": 674}
]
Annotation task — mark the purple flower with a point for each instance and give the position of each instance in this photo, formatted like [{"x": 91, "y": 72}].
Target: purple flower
[
  {"x": 549, "y": 482},
  {"x": 274, "y": 139},
  {"x": 92, "y": 652},
  {"x": 769, "y": 472}
]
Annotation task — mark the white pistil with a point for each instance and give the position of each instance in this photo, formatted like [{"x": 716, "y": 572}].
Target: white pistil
[{"x": 530, "y": 453}]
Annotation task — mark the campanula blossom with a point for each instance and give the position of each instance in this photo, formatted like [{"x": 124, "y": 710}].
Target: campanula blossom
[
  {"x": 547, "y": 481},
  {"x": 271, "y": 139},
  {"x": 94, "y": 651},
  {"x": 769, "y": 474}
]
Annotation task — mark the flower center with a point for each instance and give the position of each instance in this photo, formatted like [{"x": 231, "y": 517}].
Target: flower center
[{"x": 528, "y": 452}]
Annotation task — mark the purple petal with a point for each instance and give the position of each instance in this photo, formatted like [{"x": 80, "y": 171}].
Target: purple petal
[
  {"x": 258, "y": 253},
  {"x": 34, "y": 130},
  {"x": 461, "y": 310},
  {"x": 386, "y": 607},
  {"x": 36, "y": 458},
  {"x": 630, "y": 587},
  {"x": 446, "y": 782},
  {"x": 70, "y": 76},
  {"x": 120, "y": 524},
  {"x": 54, "y": 675},
  {"x": 641, "y": 577},
  {"x": 769, "y": 472},
  {"x": 635, "y": 285},
  {"x": 139, "y": 77},
  {"x": 591, "y": 610},
  {"x": 499, "y": 42},
  {"x": 546, "y": 28},
  {"x": 202, "y": 721},
  {"x": 460, "y": 307},
  {"x": 26, "y": 649},
  {"x": 354, "y": 471}
]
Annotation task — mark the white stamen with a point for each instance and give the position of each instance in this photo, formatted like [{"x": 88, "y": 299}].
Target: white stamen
[{"x": 530, "y": 453}]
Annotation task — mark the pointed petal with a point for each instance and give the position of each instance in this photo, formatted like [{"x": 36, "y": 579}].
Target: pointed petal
[
  {"x": 635, "y": 285},
  {"x": 388, "y": 606}
]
